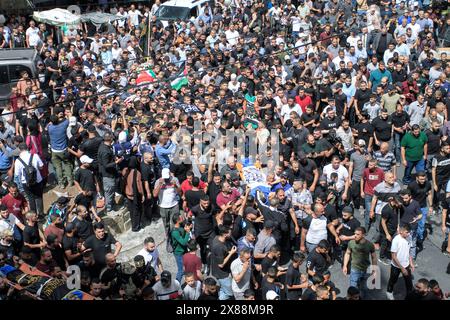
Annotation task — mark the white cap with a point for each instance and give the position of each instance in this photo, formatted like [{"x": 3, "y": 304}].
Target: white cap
[
  {"x": 72, "y": 121},
  {"x": 271, "y": 295},
  {"x": 165, "y": 173},
  {"x": 361, "y": 142},
  {"x": 86, "y": 159},
  {"x": 233, "y": 77},
  {"x": 122, "y": 137}
]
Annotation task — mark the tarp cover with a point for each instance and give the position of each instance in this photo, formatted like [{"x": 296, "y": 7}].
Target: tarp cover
[
  {"x": 56, "y": 17},
  {"x": 99, "y": 18}
]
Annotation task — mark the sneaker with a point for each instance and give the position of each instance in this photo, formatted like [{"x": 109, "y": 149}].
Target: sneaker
[
  {"x": 415, "y": 264},
  {"x": 390, "y": 295},
  {"x": 384, "y": 261}
]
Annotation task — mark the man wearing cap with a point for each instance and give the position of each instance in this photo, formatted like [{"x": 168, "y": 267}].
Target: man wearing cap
[
  {"x": 414, "y": 150},
  {"x": 87, "y": 185},
  {"x": 168, "y": 191}
]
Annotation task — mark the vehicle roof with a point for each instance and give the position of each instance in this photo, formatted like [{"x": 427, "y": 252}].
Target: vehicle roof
[
  {"x": 17, "y": 54},
  {"x": 184, "y": 3}
]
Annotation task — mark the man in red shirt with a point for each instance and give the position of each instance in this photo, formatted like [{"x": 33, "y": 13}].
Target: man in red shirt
[
  {"x": 187, "y": 184},
  {"x": 191, "y": 262},
  {"x": 303, "y": 100},
  {"x": 227, "y": 196},
  {"x": 15, "y": 202},
  {"x": 372, "y": 176},
  {"x": 54, "y": 228}
]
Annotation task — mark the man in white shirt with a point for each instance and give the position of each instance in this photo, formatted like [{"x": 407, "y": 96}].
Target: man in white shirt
[
  {"x": 288, "y": 108},
  {"x": 389, "y": 53},
  {"x": 402, "y": 262},
  {"x": 151, "y": 254},
  {"x": 8, "y": 221},
  {"x": 32, "y": 35},
  {"x": 168, "y": 191},
  {"x": 34, "y": 191},
  {"x": 342, "y": 182},
  {"x": 232, "y": 35},
  {"x": 122, "y": 14},
  {"x": 133, "y": 16},
  {"x": 242, "y": 274}
]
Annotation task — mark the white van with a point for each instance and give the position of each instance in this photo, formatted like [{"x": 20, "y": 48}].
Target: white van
[{"x": 183, "y": 10}]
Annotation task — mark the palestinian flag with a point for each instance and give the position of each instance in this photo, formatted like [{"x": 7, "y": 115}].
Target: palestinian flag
[
  {"x": 180, "y": 81},
  {"x": 146, "y": 76}
]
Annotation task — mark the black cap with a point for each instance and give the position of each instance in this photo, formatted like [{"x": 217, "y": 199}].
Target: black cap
[
  {"x": 348, "y": 209},
  {"x": 284, "y": 174},
  {"x": 269, "y": 224},
  {"x": 166, "y": 276},
  {"x": 338, "y": 86}
]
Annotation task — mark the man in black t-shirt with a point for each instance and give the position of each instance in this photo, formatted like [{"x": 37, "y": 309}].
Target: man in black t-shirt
[
  {"x": 388, "y": 227},
  {"x": 364, "y": 129},
  {"x": 382, "y": 128},
  {"x": 86, "y": 183},
  {"x": 71, "y": 244},
  {"x": 330, "y": 122},
  {"x": 347, "y": 228},
  {"x": 193, "y": 196},
  {"x": 362, "y": 95},
  {"x": 220, "y": 262},
  {"x": 421, "y": 192},
  {"x": 445, "y": 227},
  {"x": 31, "y": 239},
  {"x": 100, "y": 243},
  {"x": 204, "y": 225},
  {"x": 318, "y": 260},
  {"x": 294, "y": 281},
  {"x": 272, "y": 260},
  {"x": 90, "y": 146},
  {"x": 148, "y": 176},
  {"x": 441, "y": 170}
]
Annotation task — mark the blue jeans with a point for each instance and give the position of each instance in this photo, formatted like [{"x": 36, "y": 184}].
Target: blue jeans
[
  {"x": 397, "y": 146},
  {"x": 410, "y": 165},
  {"x": 367, "y": 204},
  {"x": 358, "y": 279},
  {"x": 412, "y": 239},
  {"x": 225, "y": 291},
  {"x": 109, "y": 186},
  {"x": 421, "y": 225},
  {"x": 310, "y": 246},
  {"x": 179, "y": 260}
]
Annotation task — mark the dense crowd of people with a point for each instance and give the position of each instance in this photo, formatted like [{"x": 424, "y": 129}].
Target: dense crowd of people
[{"x": 353, "y": 94}]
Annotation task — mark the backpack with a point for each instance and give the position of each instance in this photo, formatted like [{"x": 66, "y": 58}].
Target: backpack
[
  {"x": 29, "y": 171},
  {"x": 171, "y": 242}
]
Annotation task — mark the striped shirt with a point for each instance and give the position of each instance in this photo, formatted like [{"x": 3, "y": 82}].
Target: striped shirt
[{"x": 385, "y": 162}]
